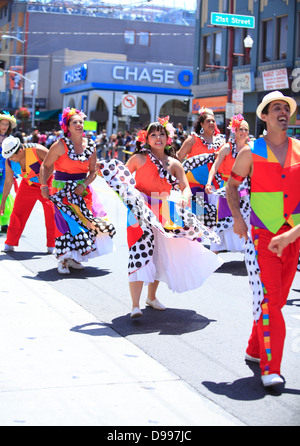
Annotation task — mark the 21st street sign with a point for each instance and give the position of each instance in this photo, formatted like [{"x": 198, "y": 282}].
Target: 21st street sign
[{"x": 240, "y": 21}]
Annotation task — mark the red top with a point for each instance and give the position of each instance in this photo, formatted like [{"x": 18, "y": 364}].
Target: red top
[
  {"x": 65, "y": 164},
  {"x": 227, "y": 165},
  {"x": 199, "y": 147},
  {"x": 148, "y": 180}
]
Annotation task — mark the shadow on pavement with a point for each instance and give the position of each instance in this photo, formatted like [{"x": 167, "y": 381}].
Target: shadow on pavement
[
  {"x": 51, "y": 275},
  {"x": 235, "y": 267},
  {"x": 249, "y": 388},
  {"x": 173, "y": 321}
]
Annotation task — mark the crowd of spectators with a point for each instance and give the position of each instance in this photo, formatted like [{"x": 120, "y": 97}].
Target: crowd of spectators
[{"x": 118, "y": 145}]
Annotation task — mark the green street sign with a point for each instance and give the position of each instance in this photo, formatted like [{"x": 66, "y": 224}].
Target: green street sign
[{"x": 240, "y": 21}]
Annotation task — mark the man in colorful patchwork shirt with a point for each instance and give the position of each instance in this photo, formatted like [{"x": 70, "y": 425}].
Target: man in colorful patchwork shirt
[{"x": 273, "y": 164}]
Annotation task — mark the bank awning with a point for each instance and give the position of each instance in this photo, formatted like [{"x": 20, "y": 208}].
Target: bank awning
[{"x": 49, "y": 115}]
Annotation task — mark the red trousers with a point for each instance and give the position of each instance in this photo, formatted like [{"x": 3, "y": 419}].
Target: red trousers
[
  {"x": 25, "y": 200},
  {"x": 277, "y": 274}
]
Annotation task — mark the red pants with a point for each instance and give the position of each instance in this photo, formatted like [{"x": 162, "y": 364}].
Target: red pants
[
  {"x": 277, "y": 274},
  {"x": 25, "y": 200}
]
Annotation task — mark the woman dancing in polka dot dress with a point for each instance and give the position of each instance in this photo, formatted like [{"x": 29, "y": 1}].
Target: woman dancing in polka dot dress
[
  {"x": 83, "y": 231},
  {"x": 163, "y": 234}
]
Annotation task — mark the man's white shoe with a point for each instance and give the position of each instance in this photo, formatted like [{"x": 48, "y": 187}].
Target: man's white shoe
[
  {"x": 155, "y": 304},
  {"x": 271, "y": 380},
  {"x": 75, "y": 265},
  {"x": 8, "y": 248},
  {"x": 63, "y": 268},
  {"x": 136, "y": 313}
]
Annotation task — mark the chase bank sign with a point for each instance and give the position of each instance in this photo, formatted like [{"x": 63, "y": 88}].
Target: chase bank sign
[
  {"x": 76, "y": 74},
  {"x": 98, "y": 74},
  {"x": 142, "y": 74}
]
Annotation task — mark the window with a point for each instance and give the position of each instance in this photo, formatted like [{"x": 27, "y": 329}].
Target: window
[
  {"x": 206, "y": 51},
  {"x": 217, "y": 48},
  {"x": 212, "y": 48},
  {"x": 298, "y": 33},
  {"x": 129, "y": 37},
  {"x": 236, "y": 46},
  {"x": 144, "y": 38},
  {"x": 281, "y": 37},
  {"x": 267, "y": 41}
]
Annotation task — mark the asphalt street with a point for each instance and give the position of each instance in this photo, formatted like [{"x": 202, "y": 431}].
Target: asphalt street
[{"x": 202, "y": 335}]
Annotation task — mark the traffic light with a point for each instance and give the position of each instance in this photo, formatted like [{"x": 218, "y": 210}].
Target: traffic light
[{"x": 37, "y": 110}]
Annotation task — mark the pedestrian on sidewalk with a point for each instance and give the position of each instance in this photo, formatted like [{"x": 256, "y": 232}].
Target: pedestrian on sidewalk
[
  {"x": 273, "y": 164},
  {"x": 163, "y": 235},
  {"x": 83, "y": 231},
  {"x": 7, "y": 124},
  {"x": 25, "y": 159}
]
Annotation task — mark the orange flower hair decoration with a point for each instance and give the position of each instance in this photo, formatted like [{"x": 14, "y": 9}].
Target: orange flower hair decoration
[
  {"x": 142, "y": 136},
  {"x": 235, "y": 122}
]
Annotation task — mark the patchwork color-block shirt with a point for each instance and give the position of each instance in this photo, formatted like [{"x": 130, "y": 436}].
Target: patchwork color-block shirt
[
  {"x": 275, "y": 190},
  {"x": 32, "y": 165}
]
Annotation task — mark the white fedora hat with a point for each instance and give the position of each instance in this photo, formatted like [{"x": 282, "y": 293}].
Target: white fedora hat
[
  {"x": 9, "y": 146},
  {"x": 276, "y": 96}
]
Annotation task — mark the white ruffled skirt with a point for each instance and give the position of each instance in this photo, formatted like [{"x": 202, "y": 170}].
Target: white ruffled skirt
[{"x": 181, "y": 263}]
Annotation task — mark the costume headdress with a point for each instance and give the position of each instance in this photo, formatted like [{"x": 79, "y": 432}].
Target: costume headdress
[
  {"x": 235, "y": 122},
  {"x": 67, "y": 114},
  {"x": 205, "y": 110},
  {"x": 164, "y": 122},
  {"x": 10, "y": 118}
]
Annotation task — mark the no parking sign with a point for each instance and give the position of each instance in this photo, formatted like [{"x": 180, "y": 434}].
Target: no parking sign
[{"x": 129, "y": 104}]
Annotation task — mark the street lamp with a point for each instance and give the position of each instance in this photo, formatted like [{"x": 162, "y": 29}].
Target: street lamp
[
  {"x": 33, "y": 90},
  {"x": 17, "y": 57},
  {"x": 5, "y": 36},
  {"x": 248, "y": 44}
]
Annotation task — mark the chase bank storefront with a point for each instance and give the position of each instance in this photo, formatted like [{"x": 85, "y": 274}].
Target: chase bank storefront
[{"x": 126, "y": 95}]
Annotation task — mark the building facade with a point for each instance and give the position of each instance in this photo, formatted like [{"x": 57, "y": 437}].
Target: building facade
[
  {"x": 274, "y": 58},
  {"x": 125, "y": 95},
  {"x": 54, "y": 38}
]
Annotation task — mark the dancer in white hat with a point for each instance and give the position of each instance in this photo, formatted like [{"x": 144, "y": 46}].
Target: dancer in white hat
[{"x": 273, "y": 164}]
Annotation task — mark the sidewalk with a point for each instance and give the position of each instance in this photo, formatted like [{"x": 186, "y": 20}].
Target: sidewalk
[{"x": 62, "y": 367}]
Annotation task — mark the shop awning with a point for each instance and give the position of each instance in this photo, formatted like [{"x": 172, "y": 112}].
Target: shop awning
[{"x": 49, "y": 115}]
